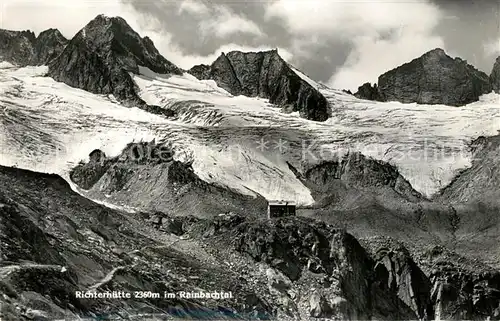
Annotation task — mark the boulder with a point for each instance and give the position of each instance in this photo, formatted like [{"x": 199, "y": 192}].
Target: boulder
[{"x": 319, "y": 307}]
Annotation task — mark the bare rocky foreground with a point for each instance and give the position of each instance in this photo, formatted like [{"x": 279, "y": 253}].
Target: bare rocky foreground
[{"x": 56, "y": 242}]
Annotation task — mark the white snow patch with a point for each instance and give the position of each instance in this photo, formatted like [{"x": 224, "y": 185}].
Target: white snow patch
[
  {"x": 428, "y": 143},
  {"x": 6, "y": 65}
]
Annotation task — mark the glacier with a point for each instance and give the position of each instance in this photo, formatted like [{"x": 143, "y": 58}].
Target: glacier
[{"x": 240, "y": 142}]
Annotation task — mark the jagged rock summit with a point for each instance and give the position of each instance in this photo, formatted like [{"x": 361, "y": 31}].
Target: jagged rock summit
[
  {"x": 24, "y": 48},
  {"x": 367, "y": 91},
  {"x": 100, "y": 57},
  {"x": 265, "y": 74},
  {"x": 16, "y": 46},
  {"x": 433, "y": 78},
  {"x": 48, "y": 45}
]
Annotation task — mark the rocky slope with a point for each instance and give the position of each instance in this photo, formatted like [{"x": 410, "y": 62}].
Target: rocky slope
[
  {"x": 100, "y": 57},
  {"x": 315, "y": 270},
  {"x": 55, "y": 242},
  {"x": 367, "y": 91},
  {"x": 24, "y": 48},
  {"x": 495, "y": 76},
  {"x": 288, "y": 269},
  {"x": 474, "y": 196},
  {"x": 480, "y": 182},
  {"x": 366, "y": 196},
  {"x": 358, "y": 171},
  {"x": 370, "y": 197},
  {"x": 433, "y": 78},
  {"x": 437, "y": 283},
  {"x": 146, "y": 176},
  {"x": 267, "y": 75}
]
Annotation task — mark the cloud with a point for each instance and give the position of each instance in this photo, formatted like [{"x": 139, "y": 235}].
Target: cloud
[
  {"x": 173, "y": 53},
  {"x": 372, "y": 57},
  {"x": 224, "y": 23},
  {"x": 382, "y": 34},
  {"x": 353, "y": 18},
  {"x": 218, "y": 20},
  {"x": 492, "y": 48},
  {"x": 193, "y": 7},
  {"x": 68, "y": 16}
]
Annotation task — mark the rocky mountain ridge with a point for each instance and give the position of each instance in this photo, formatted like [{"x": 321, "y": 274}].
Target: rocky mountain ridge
[
  {"x": 172, "y": 185},
  {"x": 100, "y": 57},
  {"x": 266, "y": 75},
  {"x": 495, "y": 76},
  {"x": 24, "y": 48},
  {"x": 366, "y": 196},
  {"x": 433, "y": 78},
  {"x": 479, "y": 182}
]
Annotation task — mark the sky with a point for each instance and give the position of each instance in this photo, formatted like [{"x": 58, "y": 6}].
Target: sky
[{"x": 340, "y": 43}]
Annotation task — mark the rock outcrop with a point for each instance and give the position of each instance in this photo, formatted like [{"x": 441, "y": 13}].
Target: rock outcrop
[
  {"x": 55, "y": 242},
  {"x": 320, "y": 271},
  {"x": 459, "y": 294},
  {"x": 358, "y": 171},
  {"x": 23, "y": 48},
  {"x": 48, "y": 45},
  {"x": 495, "y": 76},
  {"x": 100, "y": 57},
  {"x": 16, "y": 46},
  {"x": 480, "y": 182},
  {"x": 369, "y": 92},
  {"x": 433, "y": 78},
  {"x": 146, "y": 176},
  {"x": 267, "y": 75},
  {"x": 395, "y": 271},
  {"x": 451, "y": 288},
  {"x": 314, "y": 269}
]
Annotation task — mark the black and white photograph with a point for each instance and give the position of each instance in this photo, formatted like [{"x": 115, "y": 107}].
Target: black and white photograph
[{"x": 287, "y": 160}]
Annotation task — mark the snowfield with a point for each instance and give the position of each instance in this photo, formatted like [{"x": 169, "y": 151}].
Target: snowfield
[{"x": 240, "y": 142}]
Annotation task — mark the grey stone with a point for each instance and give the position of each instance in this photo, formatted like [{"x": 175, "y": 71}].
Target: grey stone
[
  {"x": 366, "y": 91},
  {"x": 266, "y": 75},
  {"x": 434, "y": 78},
  {"x": 101, "y": 55},
  {"x": 495, "y": 76}
]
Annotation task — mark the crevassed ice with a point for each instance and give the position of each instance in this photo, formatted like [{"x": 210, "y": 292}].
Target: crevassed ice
[{"x": 241, "y": 142}]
